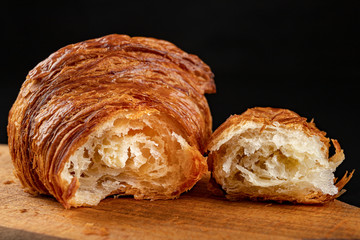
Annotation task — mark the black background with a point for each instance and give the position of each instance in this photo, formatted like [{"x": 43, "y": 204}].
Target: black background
[{"x": 288, "y": 54}]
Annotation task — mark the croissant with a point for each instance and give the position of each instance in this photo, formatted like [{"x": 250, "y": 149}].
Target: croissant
[
  {"x": 112, "y": 115},
  {"x": 273, "y": 154}
]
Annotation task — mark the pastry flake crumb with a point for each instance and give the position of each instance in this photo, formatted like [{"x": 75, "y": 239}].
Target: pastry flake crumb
[
  {"x": 91, "y": 229},
  {"x": 8, "y": 182}
]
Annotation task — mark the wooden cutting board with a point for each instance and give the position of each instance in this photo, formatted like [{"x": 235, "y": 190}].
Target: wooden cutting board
[{"x": 195, "y": 215}]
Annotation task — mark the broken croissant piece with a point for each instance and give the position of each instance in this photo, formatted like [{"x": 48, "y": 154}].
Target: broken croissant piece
[
  {"x": 113, "y": 115},
  {"x": 273, "y": 154}
]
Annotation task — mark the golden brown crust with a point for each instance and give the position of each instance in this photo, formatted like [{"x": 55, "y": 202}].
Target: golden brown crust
[
  {"x": 81, "y": 85},
  {"x": 287, "y": 119}
]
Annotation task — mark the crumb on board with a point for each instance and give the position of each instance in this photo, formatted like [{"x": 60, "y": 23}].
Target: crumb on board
[
  {"x": 8, "y": 182},
  {"x": 23, "y": 210},
  {"x": 91, "y": 229}
]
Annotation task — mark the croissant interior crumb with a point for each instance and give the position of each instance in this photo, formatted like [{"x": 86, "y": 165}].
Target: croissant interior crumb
[
  {"x": 130, "y": 155},
  {"x": 262, "y": 162}
]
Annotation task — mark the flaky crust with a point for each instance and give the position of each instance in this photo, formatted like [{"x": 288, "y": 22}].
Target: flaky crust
[
  {"x": 267, "y": 116},
  {"x": 81, "y": 85},
  {"x": 287, "y": 119}
]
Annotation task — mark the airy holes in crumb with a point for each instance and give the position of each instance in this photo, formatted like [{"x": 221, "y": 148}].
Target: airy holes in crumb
[
  {"x": 86, "y": 153},
  {"x": 141, "y": 155},
  {"x": 84, "y": 175}
]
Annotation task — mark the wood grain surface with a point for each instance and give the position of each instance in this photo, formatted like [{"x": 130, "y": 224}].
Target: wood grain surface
[{"x": 195, "y": 215}]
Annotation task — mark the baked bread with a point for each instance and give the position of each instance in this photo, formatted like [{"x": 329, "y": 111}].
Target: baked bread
[
  {"x": 273, "y": 154},
  {"x": 113, "y": 115}
]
